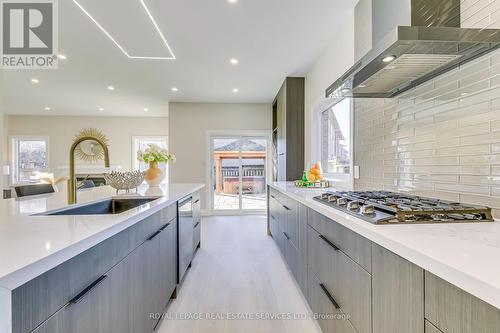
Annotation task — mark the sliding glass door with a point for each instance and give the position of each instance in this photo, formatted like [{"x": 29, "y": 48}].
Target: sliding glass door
[{"x": 238, "y": 173}]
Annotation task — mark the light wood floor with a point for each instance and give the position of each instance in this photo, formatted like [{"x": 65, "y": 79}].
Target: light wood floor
[{"x": 238, "y": 269}]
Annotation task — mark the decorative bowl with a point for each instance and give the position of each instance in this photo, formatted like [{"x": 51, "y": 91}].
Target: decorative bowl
[{"x": 124, "y": 180}]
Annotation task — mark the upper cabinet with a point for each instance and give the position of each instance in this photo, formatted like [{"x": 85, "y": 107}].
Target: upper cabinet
[{"x": 288, "y": 130}]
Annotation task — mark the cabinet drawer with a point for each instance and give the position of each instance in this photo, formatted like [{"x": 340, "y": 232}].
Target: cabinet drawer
[
  {"x": 101, "y": 310},
  {"x": 38, "y": 299},
  {"x": 348, "y": 282},
  {"x": 274, "y": 208},
  {"x": 451, "y": 309},
  {"x": 274, "y": 194},
  {"x": 331, "y": 319},
  {"x": 291, "y": 219},
  {"x": 429, "y": 328},
  {"x": 355, "y": 246}
]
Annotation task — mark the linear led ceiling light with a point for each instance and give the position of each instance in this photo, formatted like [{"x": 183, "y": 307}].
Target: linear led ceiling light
[{"x": 172, "y": 57}]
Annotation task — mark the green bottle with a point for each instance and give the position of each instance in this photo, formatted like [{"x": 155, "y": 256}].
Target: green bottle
[{"x": 304, "y": 176}]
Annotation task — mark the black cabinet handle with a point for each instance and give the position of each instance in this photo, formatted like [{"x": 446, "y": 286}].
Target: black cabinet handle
[
  {"x": 164, "y": 227},
  {"x": 87, "y": 290},
  {"x": 329, "y": 242},
  {"x": 286, "y": 207},
  {"x": 155, "y": 234},
  {"x": 287, "y": 237},
  {"x": 197, "y": 200},
  {"x": 197, "y": 223},
  {"x": 272, "y": 196},
  {"x": 330, "y": 297},
  {"x": 272, "y": 216}
]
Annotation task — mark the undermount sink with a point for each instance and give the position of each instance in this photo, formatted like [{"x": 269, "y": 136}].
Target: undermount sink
[{"x": 105, "y": 207}]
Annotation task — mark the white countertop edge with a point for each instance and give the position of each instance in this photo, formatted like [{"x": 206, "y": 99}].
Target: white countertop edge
[
  {"x": 478, "y": 288},
  {"x": 27, "y": 273}
]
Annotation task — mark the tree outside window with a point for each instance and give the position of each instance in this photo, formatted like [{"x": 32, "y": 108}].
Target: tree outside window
[{"x": 29, "y": 155}]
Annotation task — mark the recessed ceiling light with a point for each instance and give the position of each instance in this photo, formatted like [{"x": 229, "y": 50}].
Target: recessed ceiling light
[
  {"x": 47, "y": 108},
  {"x": 463, "y": 94},
  {"x": 174, "y": 89},
  {"x": 111, "y": 88},
  {"x": 145, "y": 109},
  {"x": 345, "y": 90},
  {"x": 389, "y": 58},
  {"x": 101, "y": 109},
  {"x": 234, "y": 61},
  {"x": 235, "y": 90},
  {"x": 35, "y": 80},
  {"x": 62, "y": 56},
  {"x": 232, "y": 1},
  {"x": 362, "y": 86}
]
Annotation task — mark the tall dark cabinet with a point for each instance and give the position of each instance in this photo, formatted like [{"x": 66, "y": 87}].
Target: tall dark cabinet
[{"x": 288, "y": 130}]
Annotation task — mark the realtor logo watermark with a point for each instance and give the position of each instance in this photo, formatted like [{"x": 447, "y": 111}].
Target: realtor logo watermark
[{"x": 29, "y": 34}]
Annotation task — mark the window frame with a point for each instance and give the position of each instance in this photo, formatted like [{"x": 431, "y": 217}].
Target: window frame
[
  {"x": 342, "y": 181},
  {"x": 14, "y": 139}
]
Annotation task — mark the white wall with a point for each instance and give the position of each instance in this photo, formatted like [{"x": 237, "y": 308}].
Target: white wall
[
  {"x": 61, "y": 131},
  {"x": 2, "y": 132},
  {"x": 189, "y": 124},
  {"x": 333, "y": 62}
]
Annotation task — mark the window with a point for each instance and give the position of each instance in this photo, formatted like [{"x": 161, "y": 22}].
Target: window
[
  {"x": 29, "y": 155},
  {"x": 336, "y": 139},
  {"x": 141, "y": 143}
]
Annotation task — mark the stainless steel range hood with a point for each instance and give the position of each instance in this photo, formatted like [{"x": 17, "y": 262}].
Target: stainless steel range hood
[{"x": 431, "y": 44}]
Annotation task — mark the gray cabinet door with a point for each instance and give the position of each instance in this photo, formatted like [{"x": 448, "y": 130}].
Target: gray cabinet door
[
  {"x": 103, "y": 309},
  {"x": 348, "y": 283},
  {"x": 185, "y": 231},
  {"x": 38, "y": 299},
  {"x": 281, "y": 119},
  {"x": 168, "y": 261},
  {"x": 398, "y": 293},
  {"x": 451, "y": 309},
  {"x": 291, "y": 213},
  {"x": 330, "y": 318},
  {"x": 145, "y": 298},
  {"x": 352, "y": 244},
  {"x": 302, "y": 236}
]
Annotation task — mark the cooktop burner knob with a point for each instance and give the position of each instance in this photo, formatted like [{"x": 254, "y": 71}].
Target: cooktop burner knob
[
  {"x": 367, "y": 210},
  {"x": 332, "y": 198},
  {"x": 353, "y": 205},
  {"x": 325, "y": 196},
  {"x": 341, "y": 201}
]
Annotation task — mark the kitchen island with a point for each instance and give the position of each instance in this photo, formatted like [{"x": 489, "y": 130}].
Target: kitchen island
[
  {"x": 50, "y": 264},
  {"x": 388, "y": 278}
]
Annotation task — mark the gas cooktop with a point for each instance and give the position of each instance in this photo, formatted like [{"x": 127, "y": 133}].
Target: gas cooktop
[{"x": 383, "y": 207}]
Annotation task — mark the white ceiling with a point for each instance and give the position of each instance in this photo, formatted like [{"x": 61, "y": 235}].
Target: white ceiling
[{"x": 271, "y": 38}]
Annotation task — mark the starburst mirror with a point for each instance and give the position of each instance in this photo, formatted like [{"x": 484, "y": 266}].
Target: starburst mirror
[{"x": 90, "y": 151}]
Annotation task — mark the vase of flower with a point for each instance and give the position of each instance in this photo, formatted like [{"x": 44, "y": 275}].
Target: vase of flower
[
  {"x": 153, "y": 155},
  {"x": 154, "y": 175}
]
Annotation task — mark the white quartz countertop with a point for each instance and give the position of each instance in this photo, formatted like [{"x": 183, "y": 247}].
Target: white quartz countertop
[
  {"x": 465, "y": 254},
  {"x": 31, "y": 245}
]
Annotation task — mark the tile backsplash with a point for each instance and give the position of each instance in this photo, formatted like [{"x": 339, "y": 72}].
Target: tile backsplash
[{"x": 440, "y": 139}]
